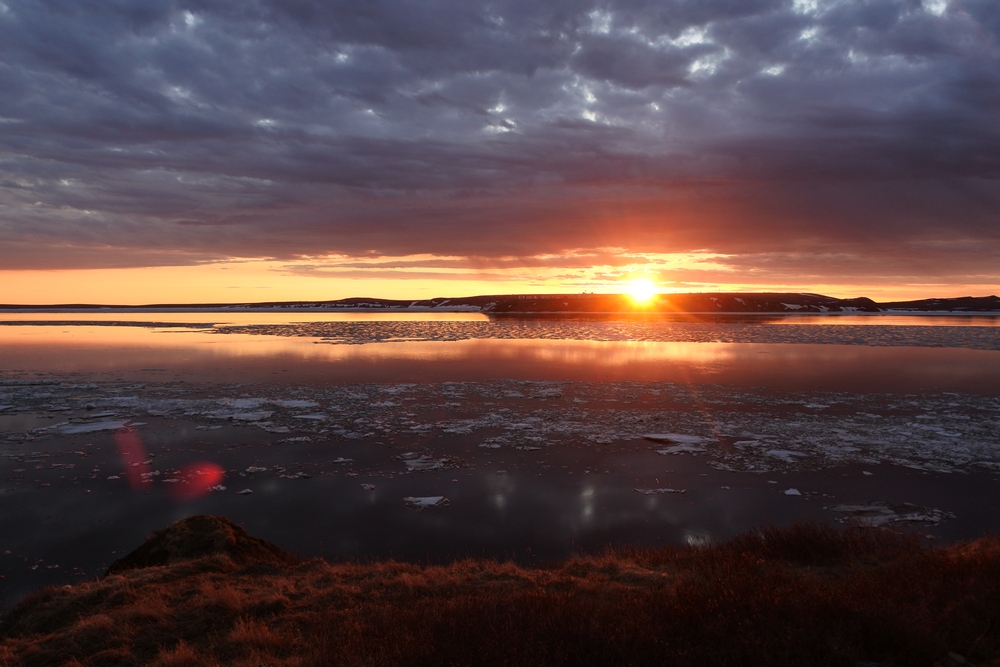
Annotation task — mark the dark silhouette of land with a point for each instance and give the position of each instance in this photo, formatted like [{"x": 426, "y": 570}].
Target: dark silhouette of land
[
  {"x": 202, "y": 592},
  {"x": 501, "y": 304}
]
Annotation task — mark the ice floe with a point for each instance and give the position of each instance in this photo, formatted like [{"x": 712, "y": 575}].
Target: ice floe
[
  {"x": 425, "y": 502},
  {"x": 250, "y": 416},
  {"x": 679, "y": 438},
  {"x": 654, "y": 492},
  {"x": 877, "y": 514},
  {"x": 243, "y": 403},
  {"x": 686, "y": 444},
  {"x": 93, "y": 427},
  {"x": 750, "y": 431},
  {"x": 423, "y": 463},
  {"x": 295, "y": 403},
  {"x": 785, "y": 455},
  {"x": 381, "y": 331}
]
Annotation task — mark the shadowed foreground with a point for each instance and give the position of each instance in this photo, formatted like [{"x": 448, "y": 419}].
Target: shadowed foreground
[{"x": 203, "y": 592}]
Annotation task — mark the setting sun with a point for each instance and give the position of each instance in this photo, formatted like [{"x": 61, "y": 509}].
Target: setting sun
[{"x": 642, "y": 291}]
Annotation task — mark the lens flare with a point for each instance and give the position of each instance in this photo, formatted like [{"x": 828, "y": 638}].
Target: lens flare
[
  {"x": 134, "y": 460},
  {"x": 197, "y": 479}
]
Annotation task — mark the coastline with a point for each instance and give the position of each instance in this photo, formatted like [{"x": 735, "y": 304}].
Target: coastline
[{"x": 204, "y": 592}]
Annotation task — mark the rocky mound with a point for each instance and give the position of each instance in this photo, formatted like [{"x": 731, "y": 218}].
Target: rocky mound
[{"x": 197, "y": 537}]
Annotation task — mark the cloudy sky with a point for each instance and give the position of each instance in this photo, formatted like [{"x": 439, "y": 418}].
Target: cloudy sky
[{"x": 157, "y": 150}]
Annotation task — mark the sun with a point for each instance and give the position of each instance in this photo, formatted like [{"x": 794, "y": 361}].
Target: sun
[{"x": 642, "y": 291}]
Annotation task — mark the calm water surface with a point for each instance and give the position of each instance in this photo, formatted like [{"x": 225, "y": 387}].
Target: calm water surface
[{"x": 543, "y": 437}]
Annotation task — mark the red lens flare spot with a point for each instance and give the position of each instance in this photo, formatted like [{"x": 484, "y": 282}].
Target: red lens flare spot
[
  {"x": 133, "y": 453},
  {"x": 197, "y": 479}
]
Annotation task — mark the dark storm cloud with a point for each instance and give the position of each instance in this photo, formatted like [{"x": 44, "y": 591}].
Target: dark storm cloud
[{"x": 172, "y": 132}]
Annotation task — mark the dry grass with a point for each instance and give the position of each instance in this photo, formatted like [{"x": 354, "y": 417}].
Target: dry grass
[{"x": 806, "y": 595}]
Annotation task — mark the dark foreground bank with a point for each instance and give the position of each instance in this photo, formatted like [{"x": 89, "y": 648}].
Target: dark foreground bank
[{"x": 203, "y": 592}]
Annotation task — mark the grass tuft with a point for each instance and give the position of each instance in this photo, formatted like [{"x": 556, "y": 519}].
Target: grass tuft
[{"x": 809, "y": 594}]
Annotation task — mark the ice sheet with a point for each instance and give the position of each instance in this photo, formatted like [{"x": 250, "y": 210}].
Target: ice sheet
[
  {"x": 655, "y": 492},
  {"x": 384, "y": 331},
  {"x": 730, "y": 428},
  {"x": 93, "y": 427},
  {"x": 877, "y": 514},
  {"x": 425, "y": 502}
]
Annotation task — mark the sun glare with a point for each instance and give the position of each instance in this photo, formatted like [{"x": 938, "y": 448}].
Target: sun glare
[{"x": 642, "y": 291}]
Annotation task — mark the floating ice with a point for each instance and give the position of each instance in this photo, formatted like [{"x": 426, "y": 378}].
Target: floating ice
[
  {"x": 654, "y": 492},
  {"x": 681, "y": 449},
  {"x": 934, "y": 431},
  {"x": 679, "y": 438},
  {"x": 319, "y": 416},
  {"x": 522, "y": 426},
  {"x": 93, "y": 427},
  {"x": 425, "y": 502},
  {"x": 253, "y": 469},
  {"x": 388, "y": 331},
  {"x": 244, "y": 492},
  {"x": 243, "y": 403},
  {"x": 250, "y": 416},
  {"x": 423, "y": 463},
  {"x": 792, "y": 492},
  {"x": 416, "y": 461},
  {"x": 876, "y": 514},
  {"x": 785, "y": 455},
  {"x": 368, "y": 487},
  {"x": 296, "y": 404},
  {"x": 547, "y": 393}
]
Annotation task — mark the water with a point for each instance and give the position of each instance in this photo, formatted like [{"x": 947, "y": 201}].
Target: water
[{"x": 537, "y": 432}]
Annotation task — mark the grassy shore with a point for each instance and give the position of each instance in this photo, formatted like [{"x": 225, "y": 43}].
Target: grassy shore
[{"x": 203, "y": 592}]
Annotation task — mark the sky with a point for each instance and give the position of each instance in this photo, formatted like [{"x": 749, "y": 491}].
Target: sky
[{"x": 157, "y": 151}]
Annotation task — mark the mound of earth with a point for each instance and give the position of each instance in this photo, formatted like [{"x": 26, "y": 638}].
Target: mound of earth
[
  {"x": 197, "y": 537},
  {"x": 203, "y": 593}
]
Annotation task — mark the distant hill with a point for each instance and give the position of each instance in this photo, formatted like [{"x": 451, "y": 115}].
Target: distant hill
[{"x": 706, "y": 302}]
